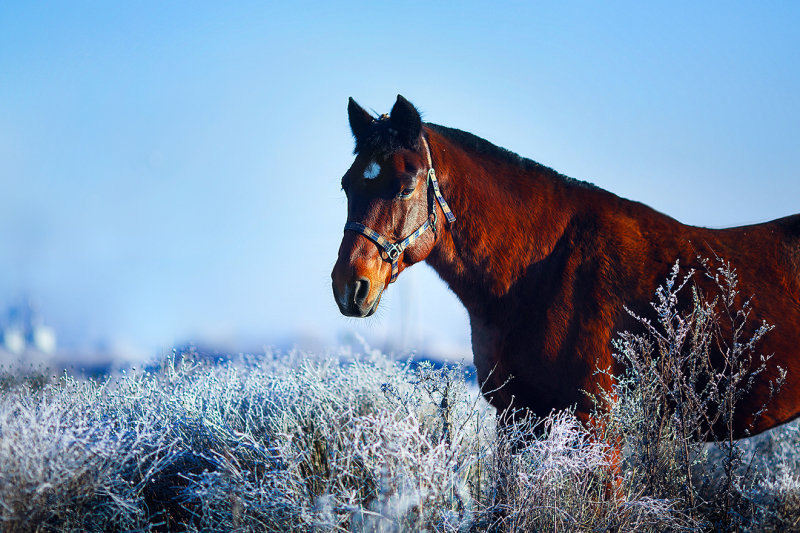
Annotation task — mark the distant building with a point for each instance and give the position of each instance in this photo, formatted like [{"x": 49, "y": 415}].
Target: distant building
[{"x": 23, "y": 330}]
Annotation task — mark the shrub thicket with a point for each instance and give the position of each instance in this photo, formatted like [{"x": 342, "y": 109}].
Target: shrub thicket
[
  {"x": 687, "y": 371},
  {"x": 293, "y": 442}
]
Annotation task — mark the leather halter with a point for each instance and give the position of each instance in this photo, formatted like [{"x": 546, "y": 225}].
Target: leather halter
[{"x": 395, "y": 249}]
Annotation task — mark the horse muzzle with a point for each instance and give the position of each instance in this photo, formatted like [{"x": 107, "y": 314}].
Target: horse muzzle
[
  {"x": 359, "y": 276},
  {"x": 353, "y": 298}
]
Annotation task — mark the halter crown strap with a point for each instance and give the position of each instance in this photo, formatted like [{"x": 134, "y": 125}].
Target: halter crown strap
[
  {"x": 432, "y": 181},
  {"x": 394, "y": 250},
  {"x": 448, "y": 214}
]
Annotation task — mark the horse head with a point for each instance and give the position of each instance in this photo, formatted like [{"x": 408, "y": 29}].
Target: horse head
[{"x": 392, "y": 203}]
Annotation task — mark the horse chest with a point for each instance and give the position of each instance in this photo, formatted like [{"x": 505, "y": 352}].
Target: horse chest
[
  {"x": 496, "y": 358},
  {"x": 517, "y": 369}
]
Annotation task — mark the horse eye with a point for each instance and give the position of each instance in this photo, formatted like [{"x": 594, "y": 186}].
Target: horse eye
[{"x": 406, "y": 193}]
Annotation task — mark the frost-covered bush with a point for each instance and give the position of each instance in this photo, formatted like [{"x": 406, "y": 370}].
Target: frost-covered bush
[
  {"x": 769, "y": 475},
  {"x": 565, "y": 480},
  {"x": 66, "y": 464},
  {"x": 343, "y": 442},
  {"x": 295, "y": 443},
  {"x": 673, "y": 396},
  {"x": 278, "y": 443}
]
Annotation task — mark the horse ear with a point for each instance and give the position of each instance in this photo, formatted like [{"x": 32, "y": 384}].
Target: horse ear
[
  {"x": 360, "y": 120},
  {"x": 406, "y": 120}
]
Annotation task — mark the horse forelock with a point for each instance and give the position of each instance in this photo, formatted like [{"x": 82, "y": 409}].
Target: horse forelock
[{"x": 383, "y": 139}]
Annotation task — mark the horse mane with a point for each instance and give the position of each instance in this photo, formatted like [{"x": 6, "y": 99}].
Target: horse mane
[
  {"x": 383, "y": 139},
  {"x": 482, "y": 146}
]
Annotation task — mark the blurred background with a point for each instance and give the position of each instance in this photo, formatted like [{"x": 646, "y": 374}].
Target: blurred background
[{"x": 169, "y": 171}]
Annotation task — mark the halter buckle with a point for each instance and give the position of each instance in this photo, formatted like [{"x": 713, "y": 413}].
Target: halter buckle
[{"x": 393, "y": 252}]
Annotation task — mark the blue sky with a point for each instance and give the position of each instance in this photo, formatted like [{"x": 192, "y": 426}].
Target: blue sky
[{"x": 169, "y": 171}]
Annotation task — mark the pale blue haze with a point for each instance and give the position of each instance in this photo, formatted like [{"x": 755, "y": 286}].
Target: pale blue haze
[{"x": 169, "y": 171}]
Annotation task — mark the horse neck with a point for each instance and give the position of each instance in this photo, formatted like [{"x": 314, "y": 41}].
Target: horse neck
[{"x": 509, "y": 217}]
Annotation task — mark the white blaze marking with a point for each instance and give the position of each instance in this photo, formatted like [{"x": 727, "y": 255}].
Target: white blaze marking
[{"x": 372, "y": 171}]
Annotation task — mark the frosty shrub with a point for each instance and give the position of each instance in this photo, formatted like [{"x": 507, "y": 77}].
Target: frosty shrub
[
  {"x": 671, "y": 399},
  {"x": 554, "y": 475},
  {"x": 772, "y": 471},
  {"x": 292, "y": 442},
  {"x": 65, "y": 463},
  {"x": 361, "y": 442}
]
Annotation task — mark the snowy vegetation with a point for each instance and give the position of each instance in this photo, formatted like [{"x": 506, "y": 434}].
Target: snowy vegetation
[{"x": 360, "y": 442}]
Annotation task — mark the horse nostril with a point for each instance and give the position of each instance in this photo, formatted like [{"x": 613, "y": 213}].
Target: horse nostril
[{"x": 361, "y": 291}]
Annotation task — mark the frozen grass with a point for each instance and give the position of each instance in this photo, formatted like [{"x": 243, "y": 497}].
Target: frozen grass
[{"x": 296, "y": 442}]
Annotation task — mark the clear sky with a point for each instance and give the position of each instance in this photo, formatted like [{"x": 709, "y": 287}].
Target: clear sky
[{"x": 169, "y": 171}]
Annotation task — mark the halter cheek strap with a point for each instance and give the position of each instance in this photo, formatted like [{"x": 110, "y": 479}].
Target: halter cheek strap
[
  {"x": 395, "y": 249},
  {"x": 434, "y": 183}
]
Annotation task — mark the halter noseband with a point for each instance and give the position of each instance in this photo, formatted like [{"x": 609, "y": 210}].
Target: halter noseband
[{"x": 395, "y": 249}]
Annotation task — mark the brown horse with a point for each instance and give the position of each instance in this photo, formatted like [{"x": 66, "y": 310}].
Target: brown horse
[{"x": 543, "y": 263}]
